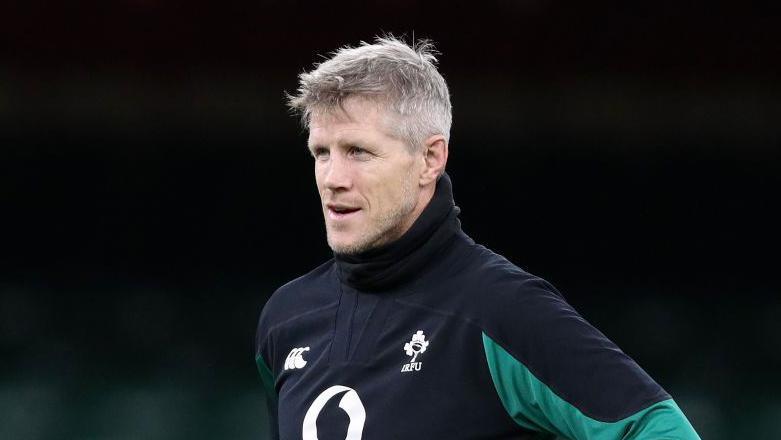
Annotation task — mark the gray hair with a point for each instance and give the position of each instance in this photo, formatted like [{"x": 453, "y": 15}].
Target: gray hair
[{"x": 401, "y": 78}]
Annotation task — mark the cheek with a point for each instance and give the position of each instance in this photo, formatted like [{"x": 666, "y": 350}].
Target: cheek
[
  {"x": 319, "y": 180},
  {"x": 388, "y": 196}
]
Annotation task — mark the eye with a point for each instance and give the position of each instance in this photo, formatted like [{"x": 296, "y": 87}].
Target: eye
[
  {"x": 358, "y": 152},
  {"x": 320, "y": 153}
]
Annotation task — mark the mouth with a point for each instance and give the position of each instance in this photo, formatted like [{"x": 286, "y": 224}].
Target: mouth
[{"x": 341, "y": 212}]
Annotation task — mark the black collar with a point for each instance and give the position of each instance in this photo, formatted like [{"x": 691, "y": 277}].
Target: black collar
[{"x": 399, "y": 261}]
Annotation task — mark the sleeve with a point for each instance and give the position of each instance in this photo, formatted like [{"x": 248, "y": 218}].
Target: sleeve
[
  {"x": 555, "y": 373},
  {"x": 262, "y": 350}
]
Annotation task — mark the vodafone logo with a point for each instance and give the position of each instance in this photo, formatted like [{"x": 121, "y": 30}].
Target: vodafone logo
[{"x": 350, "y": 403}]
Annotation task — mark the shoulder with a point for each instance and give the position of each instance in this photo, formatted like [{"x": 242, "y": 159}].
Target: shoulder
[
  {"x": 526, "y": 321},
  {"x": 485, "y": 288},
  {"x": 494, "y": 286},
  {"x": 508, "y": 295},
  {"x": 526, "y": 318},
  {"x": 308, "y": 292},
  {"x": 500, "y": 274},
  {"x": 517, "y": 308}
]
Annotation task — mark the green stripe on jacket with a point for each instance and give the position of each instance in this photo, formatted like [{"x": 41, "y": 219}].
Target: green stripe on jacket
[
  {"x": 267, "y": 377},
  {"x": 534, "y": 406}
]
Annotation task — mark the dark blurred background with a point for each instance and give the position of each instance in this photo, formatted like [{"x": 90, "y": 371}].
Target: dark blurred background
[{"x": 155, "y": 190}]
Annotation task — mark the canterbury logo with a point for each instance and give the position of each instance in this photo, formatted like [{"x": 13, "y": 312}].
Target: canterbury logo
[{"x": 295, "y": 359}]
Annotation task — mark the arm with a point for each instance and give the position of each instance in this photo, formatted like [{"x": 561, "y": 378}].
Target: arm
[
  {"x": 262, "y": 353},
  {"x": 555, "y": 373},
  {"x": 267, "y": 377}
]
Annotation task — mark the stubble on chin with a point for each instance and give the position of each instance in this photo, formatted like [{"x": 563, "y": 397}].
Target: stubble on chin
[
  {"x": 364, "y": 242},
  {"x": 387, "y": 230}
]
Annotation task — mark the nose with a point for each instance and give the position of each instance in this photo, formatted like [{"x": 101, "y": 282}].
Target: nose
[{"x": 337, "y": 174}]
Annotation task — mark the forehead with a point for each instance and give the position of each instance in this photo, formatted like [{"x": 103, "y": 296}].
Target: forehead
[{"x": 354, "y": 117}]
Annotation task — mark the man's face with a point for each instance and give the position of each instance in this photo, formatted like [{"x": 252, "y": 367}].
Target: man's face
[{"x": 367, "y": 179}]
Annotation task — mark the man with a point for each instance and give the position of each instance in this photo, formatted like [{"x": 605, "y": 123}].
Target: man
[{"x": 412, "y": 330}]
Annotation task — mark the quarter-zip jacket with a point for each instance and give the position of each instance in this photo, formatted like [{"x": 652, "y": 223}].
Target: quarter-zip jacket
[{"x": 436, "y": 337}]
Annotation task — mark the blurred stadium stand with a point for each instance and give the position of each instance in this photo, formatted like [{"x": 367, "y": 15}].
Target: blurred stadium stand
[{"x": 155, "y": 191}]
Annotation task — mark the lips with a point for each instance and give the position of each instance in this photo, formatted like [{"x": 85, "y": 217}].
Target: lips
[{"x": 340, "y": 212}]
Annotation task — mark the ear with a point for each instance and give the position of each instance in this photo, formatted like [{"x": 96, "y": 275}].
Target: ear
[{"x": 435, "y": 158}]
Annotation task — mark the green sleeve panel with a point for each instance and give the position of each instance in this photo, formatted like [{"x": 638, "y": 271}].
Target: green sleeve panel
[
  {"x": 267, "y": 377},
  {"x": 534, "y": 406}
]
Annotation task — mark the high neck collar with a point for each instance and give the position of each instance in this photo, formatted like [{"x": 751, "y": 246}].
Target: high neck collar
[{"x": 399, "y": 261}]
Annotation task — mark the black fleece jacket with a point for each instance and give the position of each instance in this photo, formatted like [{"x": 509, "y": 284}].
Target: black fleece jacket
[{"x": 435, "y": 337}]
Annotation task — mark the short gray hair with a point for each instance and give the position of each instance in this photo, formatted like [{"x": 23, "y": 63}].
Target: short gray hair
[{"x": 404, "y": 79}]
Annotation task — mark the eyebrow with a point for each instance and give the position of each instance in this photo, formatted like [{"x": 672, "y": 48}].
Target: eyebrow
[{"x": 341, "y": 143}]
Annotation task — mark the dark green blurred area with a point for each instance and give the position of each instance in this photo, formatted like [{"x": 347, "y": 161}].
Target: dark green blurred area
[
  {"x": 714, "y": 359},
  {"x": 155, "y": 191}
]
